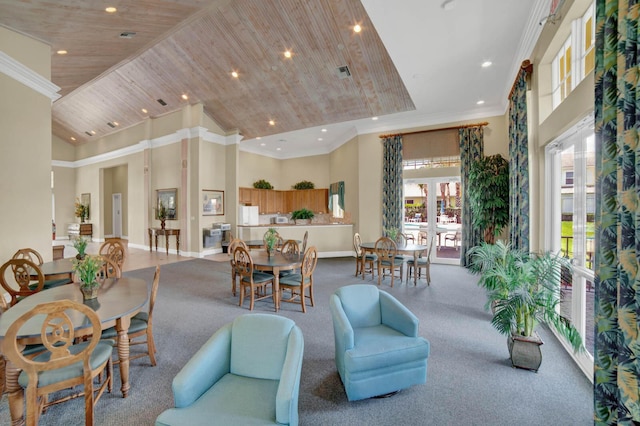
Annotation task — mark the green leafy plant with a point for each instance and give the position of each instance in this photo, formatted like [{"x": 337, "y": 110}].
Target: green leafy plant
[
  {"x": 302, "y": 214},
  {"x": 271, "y": 239},
  {"x": 391, "y": 233},
  {"x": 524, "y": 289},
  {"x": 87, "y": 270},
  {"x": 80, "y": 244},
  {"x": 304, "y": 184},
  {"x": 489, "y": 195},
  {"x": 161, "y": 211},
  {"x": 81, "y": 210},
  {"x": 262, "y": 184}
]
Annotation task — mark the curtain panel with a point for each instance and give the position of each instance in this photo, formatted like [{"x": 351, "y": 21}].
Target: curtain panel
[
  {"x": 519, "y": 165},
  {"x": 392, "y": 184},
  {"x": 617, "y": 243},
  {"x": 471, "y": 148}
]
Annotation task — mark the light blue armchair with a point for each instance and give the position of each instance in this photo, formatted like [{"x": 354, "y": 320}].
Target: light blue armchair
[
  {"x": 247, "y": 373},
  {"x": 378, "y": 350}
]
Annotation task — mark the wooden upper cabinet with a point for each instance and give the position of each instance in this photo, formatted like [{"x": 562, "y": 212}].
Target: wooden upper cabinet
[{"x": 272, "y": 201}]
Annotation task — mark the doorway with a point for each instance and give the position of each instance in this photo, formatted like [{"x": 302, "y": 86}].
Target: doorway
[{"x": 438, "y": 198}]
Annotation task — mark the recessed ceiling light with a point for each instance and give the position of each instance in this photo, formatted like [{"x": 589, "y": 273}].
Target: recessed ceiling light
[
  {"x": 287, "y": 54},
  {"x": 486, "y": 64},
  {"x": 323, "y": 130},
  {"x": 319, "y": 139},
  {"x": 262, "y": 144},
  {"x": 480, "y": 102},
  {"x": 234, "y": 74},
  {"x": 144, "y": 110},
  {"x": 278, "y": 149},
  {"x": 272, "y": 123},
  {"x": 185, "y": 97},
  {"x": 111, "y": 9},
  {"x": 93, "y": 132},
  {"x": 62, "y": 52},
  {"x": 374, "y": 118},
  {"x": 357, "y": 28},
  {"x": 72, "y": 138},
  {"x": 259, "y": 137}
]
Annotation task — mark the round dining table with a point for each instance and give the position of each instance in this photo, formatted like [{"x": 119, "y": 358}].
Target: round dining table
[
  {"x": 118, "y": 300},
  {"x": 275, "y": 263},
  {"x": 410, "y": 248},
  {"x": 58, "y": 269}
]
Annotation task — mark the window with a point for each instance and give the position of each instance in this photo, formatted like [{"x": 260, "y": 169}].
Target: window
[
  {"x": 561, "y": 74},
  {"x": 588, "y": 32},
  {"x": 336, "y": 211},
  {"x": 568, "y": 178}
]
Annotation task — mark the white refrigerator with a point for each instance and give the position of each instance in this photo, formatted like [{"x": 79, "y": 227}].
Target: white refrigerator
[{"x": 248, "y": 215}]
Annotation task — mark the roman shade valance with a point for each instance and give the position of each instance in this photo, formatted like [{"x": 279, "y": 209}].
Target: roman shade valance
[{"x": 432, "y": 144}]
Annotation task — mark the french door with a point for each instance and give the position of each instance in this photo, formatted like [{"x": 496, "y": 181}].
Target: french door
[{"x": 569, "y": 213}]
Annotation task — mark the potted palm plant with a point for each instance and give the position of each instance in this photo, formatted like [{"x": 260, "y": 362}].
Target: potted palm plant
[
  {"x": 271, "y": 240},
  {"x": 523, "y": 290},
  {"x": 302, "y": 216},
  {"x": 80, "y": 244}
]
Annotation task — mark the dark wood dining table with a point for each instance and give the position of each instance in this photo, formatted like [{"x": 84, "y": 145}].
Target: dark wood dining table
[
  {"x": 410, "y": 248},
  {"x": 275, "y": 263},
  {"x": 118, "y": 300}
]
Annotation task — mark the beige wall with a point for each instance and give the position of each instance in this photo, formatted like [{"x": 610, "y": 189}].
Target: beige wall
[
  {"x": 254, "y": 167},
  {"x": 343, "y": 167},
  {"x": 25, "y": 151},
  {"x": 314, "y": 168}
]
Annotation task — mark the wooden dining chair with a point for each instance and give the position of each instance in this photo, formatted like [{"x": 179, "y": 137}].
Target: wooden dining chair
[
  {"x": 114, "y": 250},
  {"x": 422, "y": 262},
  {"x": 388, "y": 259},
  {"x": 289, "y": 247},
  {"x": 232, "y": 247},
  {"x": 63, "y": 364},
  {"x": 29, "y": 254},
  {"x": 251, "y": 279},
  {"x": 298, "y": 282},
  {"x": 26, "y": 276},
  {"x": 110, "y": 269},
  {"x": 141, "y": 326},
  {"x": 304, "y": 242},
  {"x": 363, "y": 259}
]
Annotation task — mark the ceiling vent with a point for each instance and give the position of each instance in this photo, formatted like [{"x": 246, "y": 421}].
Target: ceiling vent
[
  {"x": 88, "y": 133},
  {"x": 112, "y": 125},
  {"x": 161, "y": 102},
  {"x": 127, "y": 34},
  {"x": 343, "y": 72}
]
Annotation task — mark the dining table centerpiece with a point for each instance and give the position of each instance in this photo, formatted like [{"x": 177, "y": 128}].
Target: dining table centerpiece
[
  {"x": 271, "y": 241},
  {"x": 80, "y": 244},
  {"x": 87, "y": 271}
]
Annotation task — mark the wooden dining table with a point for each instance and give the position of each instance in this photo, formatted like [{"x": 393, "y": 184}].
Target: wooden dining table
[
  {"x": 409, "y": 248},
  {"x": 275, "y": 263},
  {"x": 118, "y": 300},
  {"x": 58, "y": 269}
]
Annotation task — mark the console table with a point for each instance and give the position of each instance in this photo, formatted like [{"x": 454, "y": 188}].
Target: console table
[
  {"x": 153, "y": 235},
  {"x": 77, "y": 229}
]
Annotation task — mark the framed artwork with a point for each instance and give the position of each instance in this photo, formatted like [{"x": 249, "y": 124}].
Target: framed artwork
[
  {"x": 212, "y": 202},
  {"x": 167, "y": 201}
]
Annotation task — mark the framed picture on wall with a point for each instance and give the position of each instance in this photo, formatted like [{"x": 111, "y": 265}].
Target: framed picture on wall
[
  {"x": 212, "y": 202},
  {"x": 167, "y": 202}
]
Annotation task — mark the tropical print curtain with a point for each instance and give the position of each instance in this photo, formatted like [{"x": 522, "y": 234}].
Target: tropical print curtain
[
  {"x": 617, "y": 277},
  {"x": 471, "y": 148},
  {"x": 519, "y": 165},
  {"x": 392, "y": 184}
]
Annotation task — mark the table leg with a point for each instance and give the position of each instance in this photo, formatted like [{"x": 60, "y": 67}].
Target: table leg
[
  {"x": 150, "y": 241},
  {"x": 156, "y": 236},
  {"x": 276, "y": 287},
  {"x": 15, "y": 394},
  {"x": 166, "y": 242},
  {"x": 178, "y": 243},
  {"x": 415, "y": 268},
  {"x": 122, "y": 326}
]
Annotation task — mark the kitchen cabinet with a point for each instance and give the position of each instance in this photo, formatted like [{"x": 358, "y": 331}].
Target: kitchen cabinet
[{"x": 271, "y": 201}]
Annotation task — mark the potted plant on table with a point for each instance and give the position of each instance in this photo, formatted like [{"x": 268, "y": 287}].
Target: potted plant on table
[
  {"x": 271, "y": 240},
  {"x": 523, "y": 290},
  {"x": 302, "y": 216},
  {"x": 162, "y": 214},
  {"x": 80, "y": 244},
  {"x": 87, "y": 271}
]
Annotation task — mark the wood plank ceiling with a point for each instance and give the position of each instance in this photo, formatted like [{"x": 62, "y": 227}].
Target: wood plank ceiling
[{"x": 190, "y": 47}]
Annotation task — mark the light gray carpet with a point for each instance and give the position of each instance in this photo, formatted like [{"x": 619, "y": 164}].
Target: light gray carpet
[{"x": 469, "y": 377}]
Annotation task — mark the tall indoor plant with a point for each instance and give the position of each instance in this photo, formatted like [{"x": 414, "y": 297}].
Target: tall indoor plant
[
  {"x": 524, "y": 290},
  {"x": 489, "y": 195}
]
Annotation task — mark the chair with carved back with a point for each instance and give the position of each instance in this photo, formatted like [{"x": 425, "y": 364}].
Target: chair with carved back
[
  {"x": 63, "y": 364},
  {"x": 298, "y": 282},
  {"x": 423, "y": 262},
  {"x": 141, "y": 326},
  {"x": 289, "y": 247},
  {"x": 29, "y": 254},
  {"x": 25, "y": 279},
  {"x": 363, "y": 259},
  {"x": 304, "y": 242},
  {"x": 388, "y": 259},
  {"x": 110, "y": 269},
  {"x": 232, "y": 247},
  {"x": 114, "y": 250},
  {"x": 251, "y": 279}
]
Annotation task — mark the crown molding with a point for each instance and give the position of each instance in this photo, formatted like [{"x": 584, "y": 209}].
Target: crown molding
[{"x": 28, "y": 77}]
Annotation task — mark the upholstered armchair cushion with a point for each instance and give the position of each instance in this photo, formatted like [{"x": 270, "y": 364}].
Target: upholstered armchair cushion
[
  {"x": 247, "y": 373},
  {"x": 377, "y": 347}
]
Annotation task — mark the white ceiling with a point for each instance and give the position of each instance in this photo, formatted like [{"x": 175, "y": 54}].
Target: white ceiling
[{"x": 438, "y": 54}]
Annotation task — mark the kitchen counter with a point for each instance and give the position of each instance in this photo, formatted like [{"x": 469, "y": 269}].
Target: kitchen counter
[{"x": 331, "y": 240}]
